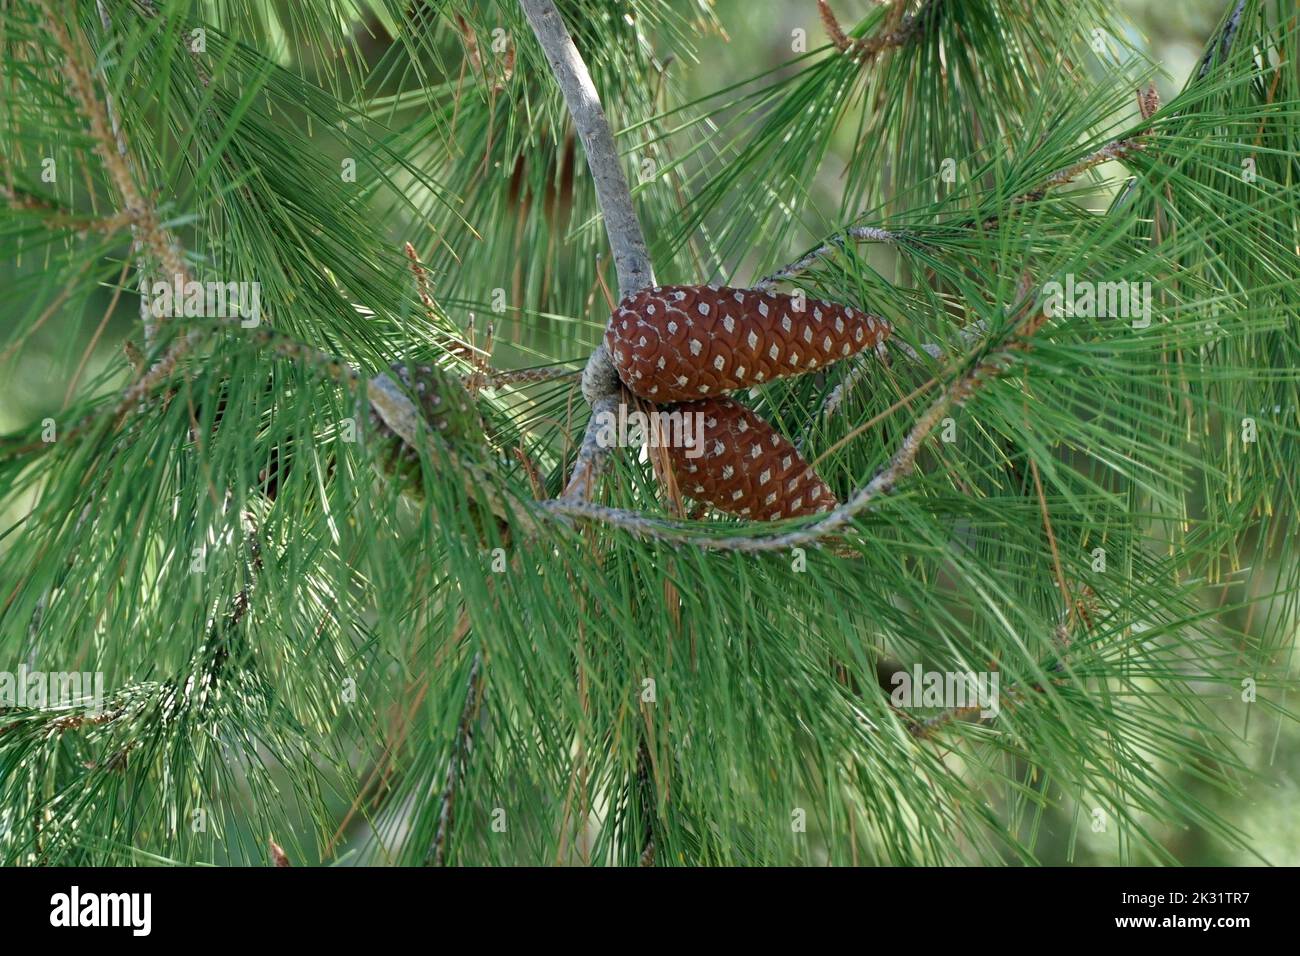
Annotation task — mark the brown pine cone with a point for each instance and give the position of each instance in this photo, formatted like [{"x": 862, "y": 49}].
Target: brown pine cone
[
  {"x": 683, "y": 342},
  {"x": 747, "y": 467}
]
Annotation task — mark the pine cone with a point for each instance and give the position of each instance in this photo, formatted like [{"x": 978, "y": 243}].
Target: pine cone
[
  {"x": 678, "y": 343},
  {"x": 447, "y": 408},
  {"x": 747, "y": 468},
  {"x": 460, "y": 444}
]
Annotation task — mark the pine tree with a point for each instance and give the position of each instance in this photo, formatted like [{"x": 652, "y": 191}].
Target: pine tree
[{"x": 331, "y": 505}]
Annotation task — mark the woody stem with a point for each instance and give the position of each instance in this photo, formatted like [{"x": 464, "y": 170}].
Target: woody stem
[{"x": 631, "y": 258}]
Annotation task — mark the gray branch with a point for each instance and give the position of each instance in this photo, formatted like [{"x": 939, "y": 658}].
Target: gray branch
[
  {"x": 824, "y": 251},
  {"x": 600, "y": 382},
  {"x": 621, "y": 224}
]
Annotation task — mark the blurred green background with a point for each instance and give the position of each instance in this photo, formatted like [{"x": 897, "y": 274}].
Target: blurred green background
[{"x": 35, "y": 379}]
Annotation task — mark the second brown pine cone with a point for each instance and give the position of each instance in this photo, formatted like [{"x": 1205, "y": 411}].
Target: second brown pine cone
[{"x": 746, "y": 467}]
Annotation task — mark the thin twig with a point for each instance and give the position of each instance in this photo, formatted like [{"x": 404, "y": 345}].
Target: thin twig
[
  {"x": 482, "y": 377},
  {"x": 645, "y": 796},
  {"x": 218, "y": 643},
  {"x": 863, "y": 364},
  {"x": 461, "y": 747},
  {"x": 1228, "y": 34},
  {"x": 592, "y": 454},
  {"x": 151, "y": 237},
  {"x": 836, "y": 242},
  {"x": 146, "y": 223},
  {"x": 631, "y": 259},
  {"x": 526, "y": 376},
  {"x": 157, "y": 239},
  {"x": 1116, "y": 149},
  {"x": 147, "y": 319},
  {"x": 1077, "y": 615},
  {"x": 56, "y": 218},
  {"x": 422, "y": 284},
  {"x": 839, "y": 38},
  {"x": 900, "y": 29}
]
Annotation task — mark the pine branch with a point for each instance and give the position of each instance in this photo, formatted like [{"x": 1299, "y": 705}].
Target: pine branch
[
  {"x": 1123, "y": 429},
  {"x": 391, "y": 403},
  {"x": 216, "y": 651},
  {"x": 110, "y": 143},
  {"x": 1116, "y": 149},
  {"x": 1148, "y": 103},
  {"x": 147, "y": 320},
  {"x": 483, "y": 376},
  {"x": 523, "y": 376},
  {"x": 631, "y": 259},
  {"x": 56, "y": 217}
]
